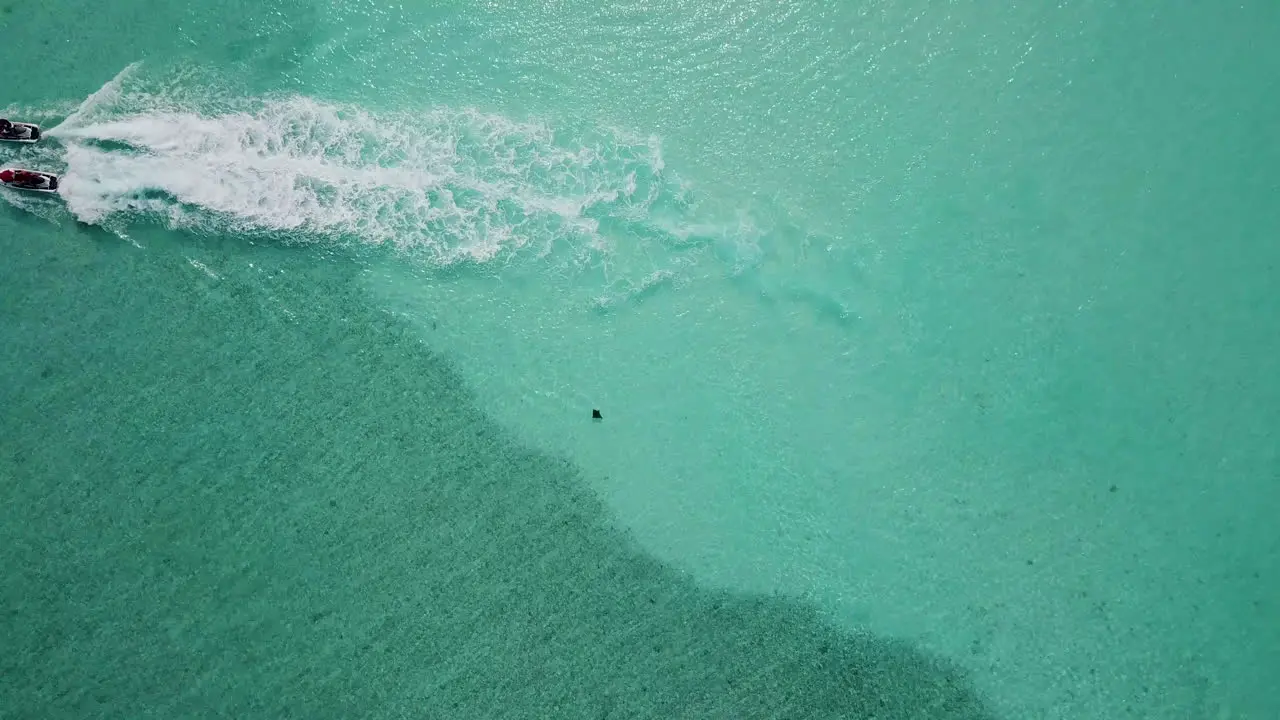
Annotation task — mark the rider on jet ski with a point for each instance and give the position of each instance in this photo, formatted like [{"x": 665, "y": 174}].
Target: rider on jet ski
[
  {"x": 22, "y": 178},
  {"x": 8, "y": 129}
]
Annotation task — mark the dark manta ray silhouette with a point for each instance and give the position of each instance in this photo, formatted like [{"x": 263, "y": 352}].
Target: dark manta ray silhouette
[{"x": 323, "y": 524}]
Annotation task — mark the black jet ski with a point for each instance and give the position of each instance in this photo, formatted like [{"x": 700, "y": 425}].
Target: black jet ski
[
  {"x": 19, "y": 132},
  {"x": 29, "y": 180}
]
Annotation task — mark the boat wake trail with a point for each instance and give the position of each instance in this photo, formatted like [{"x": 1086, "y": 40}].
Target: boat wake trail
[
  {"x": 587, "y": 206},
  {"x": 443, "y": 185}
]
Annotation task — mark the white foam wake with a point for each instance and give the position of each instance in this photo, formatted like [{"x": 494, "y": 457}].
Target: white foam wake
[
  {"x": 101, "y": 100},
  {"x": 456, "y": 184},
  {"x": 444, "y": 185}
]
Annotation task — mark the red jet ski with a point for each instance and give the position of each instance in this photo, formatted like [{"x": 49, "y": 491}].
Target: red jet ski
[{"x": 30, "y": 180}]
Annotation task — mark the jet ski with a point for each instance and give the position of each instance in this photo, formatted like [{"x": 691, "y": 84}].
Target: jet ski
[
  {"x": 19, "y": 132},
  {"x": 29, "y": 180}
]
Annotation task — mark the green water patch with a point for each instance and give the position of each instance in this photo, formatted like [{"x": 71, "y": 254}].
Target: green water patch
[
  {"x": 64, "y": 48},
  {"x": 233, "y": 487}
]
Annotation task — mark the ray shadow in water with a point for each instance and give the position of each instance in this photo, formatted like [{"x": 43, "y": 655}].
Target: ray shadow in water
[{"x": 236, "y": 498}]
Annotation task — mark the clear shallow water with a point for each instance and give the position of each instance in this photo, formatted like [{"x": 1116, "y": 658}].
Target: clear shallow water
[{"x": 947, "y": 326}]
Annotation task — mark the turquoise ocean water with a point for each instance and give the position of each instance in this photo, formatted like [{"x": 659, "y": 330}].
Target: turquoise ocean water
[{"x": 934, "y": 341}]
